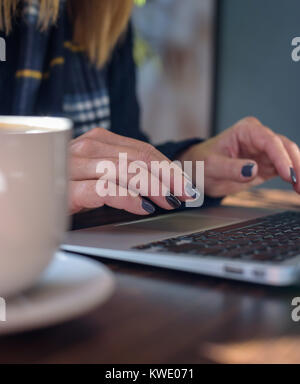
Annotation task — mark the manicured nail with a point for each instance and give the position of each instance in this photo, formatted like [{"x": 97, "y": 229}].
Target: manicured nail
[
  {"x": 293, "y": 176},
  {"x": 148, "y": 207},
  {"x": 247, "y": 170},
  {"x": 173, "y": 201},
  {"x": 191, "y": 190}
]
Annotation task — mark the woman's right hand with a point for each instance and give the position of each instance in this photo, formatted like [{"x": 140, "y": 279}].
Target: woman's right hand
[{"x": 100, "y": 145}]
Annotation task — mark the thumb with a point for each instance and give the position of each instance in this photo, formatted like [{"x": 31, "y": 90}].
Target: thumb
[{"x": 226, "y": 168}]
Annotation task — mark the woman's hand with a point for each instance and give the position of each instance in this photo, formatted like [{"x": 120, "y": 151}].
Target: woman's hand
[
  {"x": 101, "y": 146},
  {"x": 245, "y": 156}
]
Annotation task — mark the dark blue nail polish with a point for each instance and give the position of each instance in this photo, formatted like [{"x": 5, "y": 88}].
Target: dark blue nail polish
[
  {"x": 191, "y": 190},
  {"x": 293, "y": 176},
  {"x": 173, "y": 201},
  {"x": 148, "y": 207},
  {"x": 248, "y": 170}
]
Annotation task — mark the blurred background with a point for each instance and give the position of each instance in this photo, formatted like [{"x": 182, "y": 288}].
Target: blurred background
[{"x": 205, "y": 64}]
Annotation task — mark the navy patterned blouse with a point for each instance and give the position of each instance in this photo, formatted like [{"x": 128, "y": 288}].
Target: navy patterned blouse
[{"x": 46, "y": 74}]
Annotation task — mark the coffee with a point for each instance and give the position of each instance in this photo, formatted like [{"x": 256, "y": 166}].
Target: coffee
[{"x": 13, "y": 128}]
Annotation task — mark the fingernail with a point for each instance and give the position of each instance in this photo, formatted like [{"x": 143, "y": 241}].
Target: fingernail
[
  {"x": 173, "y": 201},
  {"x": 191, "y": 190},
  {"x": 293, "y": 176},
  {"x": 248, "y": 170},
  {"x": 148, "y": 207}
]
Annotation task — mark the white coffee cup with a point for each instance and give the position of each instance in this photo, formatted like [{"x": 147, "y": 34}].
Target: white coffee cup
[{"x": 33, "y": 197}]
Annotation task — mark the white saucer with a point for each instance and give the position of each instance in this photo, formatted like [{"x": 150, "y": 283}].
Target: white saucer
[{"x": 71, "y": 286}]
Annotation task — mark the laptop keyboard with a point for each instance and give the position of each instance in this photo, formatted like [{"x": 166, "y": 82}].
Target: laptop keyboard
[{"x": 273, "y": 238}]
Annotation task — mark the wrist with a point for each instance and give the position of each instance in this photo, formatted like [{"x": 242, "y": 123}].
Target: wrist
[{"x": 193, "y": 153}]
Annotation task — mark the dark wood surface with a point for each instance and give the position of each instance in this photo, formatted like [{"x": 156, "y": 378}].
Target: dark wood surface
[{"x": 160, "y": 316}]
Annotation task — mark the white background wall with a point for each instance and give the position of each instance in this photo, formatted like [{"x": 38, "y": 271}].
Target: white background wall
[{"x": 176, "y": 93}]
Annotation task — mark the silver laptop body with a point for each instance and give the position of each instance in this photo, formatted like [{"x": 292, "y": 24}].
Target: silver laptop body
[{"x": 116, "y": 242}]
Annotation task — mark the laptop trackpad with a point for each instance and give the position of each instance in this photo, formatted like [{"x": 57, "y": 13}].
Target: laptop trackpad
[{"x": 176, "y": 223}]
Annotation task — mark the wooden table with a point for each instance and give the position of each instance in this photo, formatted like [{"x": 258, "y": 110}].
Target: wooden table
[{"x": 160, "y": 316}]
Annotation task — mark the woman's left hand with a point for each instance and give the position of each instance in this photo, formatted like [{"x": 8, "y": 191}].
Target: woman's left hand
[{"x": 244, "y": 156}]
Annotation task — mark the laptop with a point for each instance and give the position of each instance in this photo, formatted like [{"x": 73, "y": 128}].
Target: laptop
[{"x": 252, "y": 245}]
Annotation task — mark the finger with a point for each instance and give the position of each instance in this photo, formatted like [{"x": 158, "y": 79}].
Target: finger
[
  {"x": 87, "y": 195},
  {"x": 105, "y": 136},
  {"x": 93, "y": 149},
  {"x": 294, "y": 152},
  {"x": 226, "y": 168},
  {"x": 140, "y": 183},
  {"x": 181, "y": 184},
  {"x": 266, "y": 141},
  {"x": 160, "y": 166},
  {"x": 114, "y": 144}
]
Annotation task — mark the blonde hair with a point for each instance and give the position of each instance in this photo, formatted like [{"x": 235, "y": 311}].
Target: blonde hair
[{"x": 98, "y": 24}]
